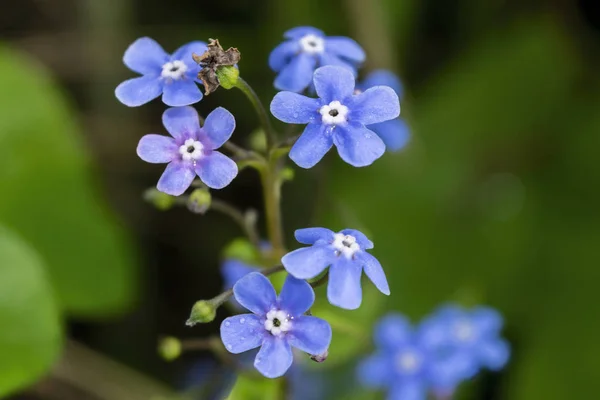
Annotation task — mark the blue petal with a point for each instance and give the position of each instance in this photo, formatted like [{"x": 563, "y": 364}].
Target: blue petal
[
  {"x": 274, "y": 358},
  {"x": 362, "y": 240},
  {"x": 181, "y": 122},
  {"x": 392, "y": 331},
  {"x": 282, "y": 54},
  {"x": 296, "y": 75},
  {"x": 310, "y": 334},
  {"x": 256, "y": 293},
  {"x": 137, "y": 91},
  {"x": 333, "y": 60},
  {"x": 233, "y": 271},
  {"x": 344, "y": 288},
  {"x": 394, "y": 133},
  {"x": 346, "y": 48},
  {"x": 219, "y": 127},
  {"x": 176, "y": 178},
  {"x": 145, "y": 56},
  {"x": 308, "y": 262},
  {"x": 373, "y": 270},
  {"x": 157, "y": 149},
  {"x": 487, "y": 320},
  {"x": 334, "y": 83},
  {"x": 295, "y": 108},
  {"x": 296, "y": 296},
  {"x": 242, "y": 332},
  {"x": 311, "y": 146},
  {"x": 451, "y": 369},
  {"x": 408, "y": 390},
  {"x": 383, "y": 77},
  {"x": 376, "y": 371},
  {"x": 494, "y": 353},
  {"x": 184, "y": 53},
  {"x": 216, "y": 170},
  {"x": 301, "y": 31},
  {"x": 357, "y": 145},
  {"x": 181, "y": 92},
  {"x": 312, "y": 235},
  {"x": 374, "y": 105}
]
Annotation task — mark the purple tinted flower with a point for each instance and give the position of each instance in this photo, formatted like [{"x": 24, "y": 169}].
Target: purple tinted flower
[
  {"x": 338, "y": 117},
  {"x": 305, "y": 50},
  {"x": 345, "y": 254},
  {"x": 394, "y": 133},
  {"x": 276, "y": 325},
  {"x": 174, "y": 76},
  {"x": 191, "y": 150}
]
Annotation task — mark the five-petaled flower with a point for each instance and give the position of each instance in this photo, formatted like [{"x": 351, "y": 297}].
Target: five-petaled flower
[
  {"x": 276, "y": 325},
  {"x": 174, "y": 76},
  {"x": 307, "y": 48},
  {"x": 345, "y": 253},
  {"x": 394, "y": 133},
  {"x": 191, "y": 150},
  {"x": 338, "y": 117}
]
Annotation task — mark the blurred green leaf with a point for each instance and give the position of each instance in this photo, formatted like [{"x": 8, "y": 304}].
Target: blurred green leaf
[
  {"x": 30, "y": 337},
  {"x": 48, "y": 195},
  {"x": 255, "y": 389}
]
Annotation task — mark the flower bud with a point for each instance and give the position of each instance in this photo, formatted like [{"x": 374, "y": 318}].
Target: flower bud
[
  {"x": 169, "y": 348},
  {"x": 228, "y": 76},
  {"x": 203, "y": 311},
  {"x": 287, "y": 174},
  {"x": 241, "y": 249},
  {"x": 158, "y": 199},
  {"x": 199, "y": 201}
]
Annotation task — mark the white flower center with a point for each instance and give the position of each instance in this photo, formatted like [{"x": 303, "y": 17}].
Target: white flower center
[
  {"x": 278, "y": 322},
  {"x": 191, "y": 150},
  {"x": 345, "y": 244},
  {"x": 174, "y": 69},
  {"x": 407, "y": 362},
  {"x": 463, "y": 330},
  {"x": 334, "y": 113},
  {"x": 312, "y": 44}
]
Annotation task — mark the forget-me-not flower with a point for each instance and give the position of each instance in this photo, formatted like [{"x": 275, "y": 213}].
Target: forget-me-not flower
[
  {"x": 394, "y": 133},
  {"x": 276, "y": 325},
  {"x": 174, "y": 76},
  {"x": 191, "y": 150},
  {"x": 345, "y": 254},
  {"x": 338, "y": 117},
  {"x": 305, "y": 50},
  {"x": 232, "y": 271}
]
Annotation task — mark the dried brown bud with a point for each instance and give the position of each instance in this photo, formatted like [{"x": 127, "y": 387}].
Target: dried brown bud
[{"x": 211, "y": 60}]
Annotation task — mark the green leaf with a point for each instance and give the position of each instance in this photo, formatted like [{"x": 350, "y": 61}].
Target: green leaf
[
  {"x": 31, "y": 334},
  {"x": 49, "y": 196},
  {"x": 246, "y": 388}
]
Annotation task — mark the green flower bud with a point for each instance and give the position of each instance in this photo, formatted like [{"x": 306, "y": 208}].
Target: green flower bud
[
  {"x": 169, "y": 348},
  {"x": 258, "y": 140},
  {"x": 287, "y": 174},
  {"x": 203, "y": 311},
  {"x": 160, "y": 200},
  {"x": 241, "y": 249},
  {"x": 228, "y": 76},
  {"x": 199, "y": 201}
]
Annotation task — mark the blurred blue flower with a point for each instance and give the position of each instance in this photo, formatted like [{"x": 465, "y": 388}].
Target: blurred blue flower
[
  {"x": 232, "y": 271},
  {"x": 276, "y": 325},
  {"x": 305, "y": 50},
  {"x": 395, "y": 132},
  {"x": 345, "y": 254},
  {"x": 191, "y": 149},
  {"x": 174, "y": 76},
  {"x": 338, "y": 117}
]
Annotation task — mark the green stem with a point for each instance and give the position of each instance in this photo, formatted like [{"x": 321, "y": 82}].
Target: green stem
[
  {"x": 262, "y": 113},
  {"x": 272, "y": 195},
  {"x": 239, "y": 217}
]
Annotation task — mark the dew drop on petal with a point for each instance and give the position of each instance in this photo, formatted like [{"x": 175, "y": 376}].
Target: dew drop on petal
[
  {"x": 242, "y": 320},
  {"x": 295, "y": 115},
  {"x": 229, "y": 347},
  {"x": 227, "y": 323}
]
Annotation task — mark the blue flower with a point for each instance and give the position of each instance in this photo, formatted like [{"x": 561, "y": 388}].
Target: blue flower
[
  {"x": 306, "y": 49},
  {"x": 174, "y": 76},
  {"x": 338, "y": 117},
  {"x": 276, "y": 325},
  {"x": 232, "y": 271},
  {"x": 395, "y": 132},
  {"x": 191, "y": 149},
  {"x": 345, "y": 254}
]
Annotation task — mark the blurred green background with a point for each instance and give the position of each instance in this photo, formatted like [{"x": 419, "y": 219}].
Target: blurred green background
[{"x": 494, "y": 201}]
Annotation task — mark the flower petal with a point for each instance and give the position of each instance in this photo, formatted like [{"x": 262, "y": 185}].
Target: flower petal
[
  {"x": 362, "y": 239},
  {"x": 216, "y": 170},
  {"x": 408, "y": 390},
  {"x": 382, "y": 77},
  {"x": 234, "y": 270},
  {"x": 145, "y": 56},
  {"x": 376, "y": 371},
  {"x": 344, "y": 288},
  {"x": 176, "y": 178},
  {"x": 274, "y": 358},
  {"x": 453, "y": 367},
  {"x": 332, "y": 59},
  {"x": 392, "y": 332},
  {"x": 296, "y": 296},
  {"x": 296, "y": 75},
  {"x": 282, "y": 54},
  {"x": 181, "y": 92},
  {"x": 487, "y": 320},
  {"x": 357, "y": 145},
  {"x": 184, "y": 53},
  {"x": 181, "y": 122},
  {"x": 294, "y": 108},
  {"x": 374, "y": 105},
  {"x": 301, "y": 31},
  {"x": 310, "y": 334},
  {"x": 373, "y": 270},
  {"x": 334, "y": 83},
  {"x": 242, "y": 332},
  {"x": 255, "y": 292},
  {"x": 494, "y": 353},
  {"x": 137, "y": 91},
  {"x": 157, "y": 149},
  {"x": 394, "y": 133},
  {"x": 345, "y": 47},
  {"x": 308, "y": 262},
  {"x": 219, "y": 126},
  {"x": 312, "y": 235},
  {"x": 312, "y": 145}
]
